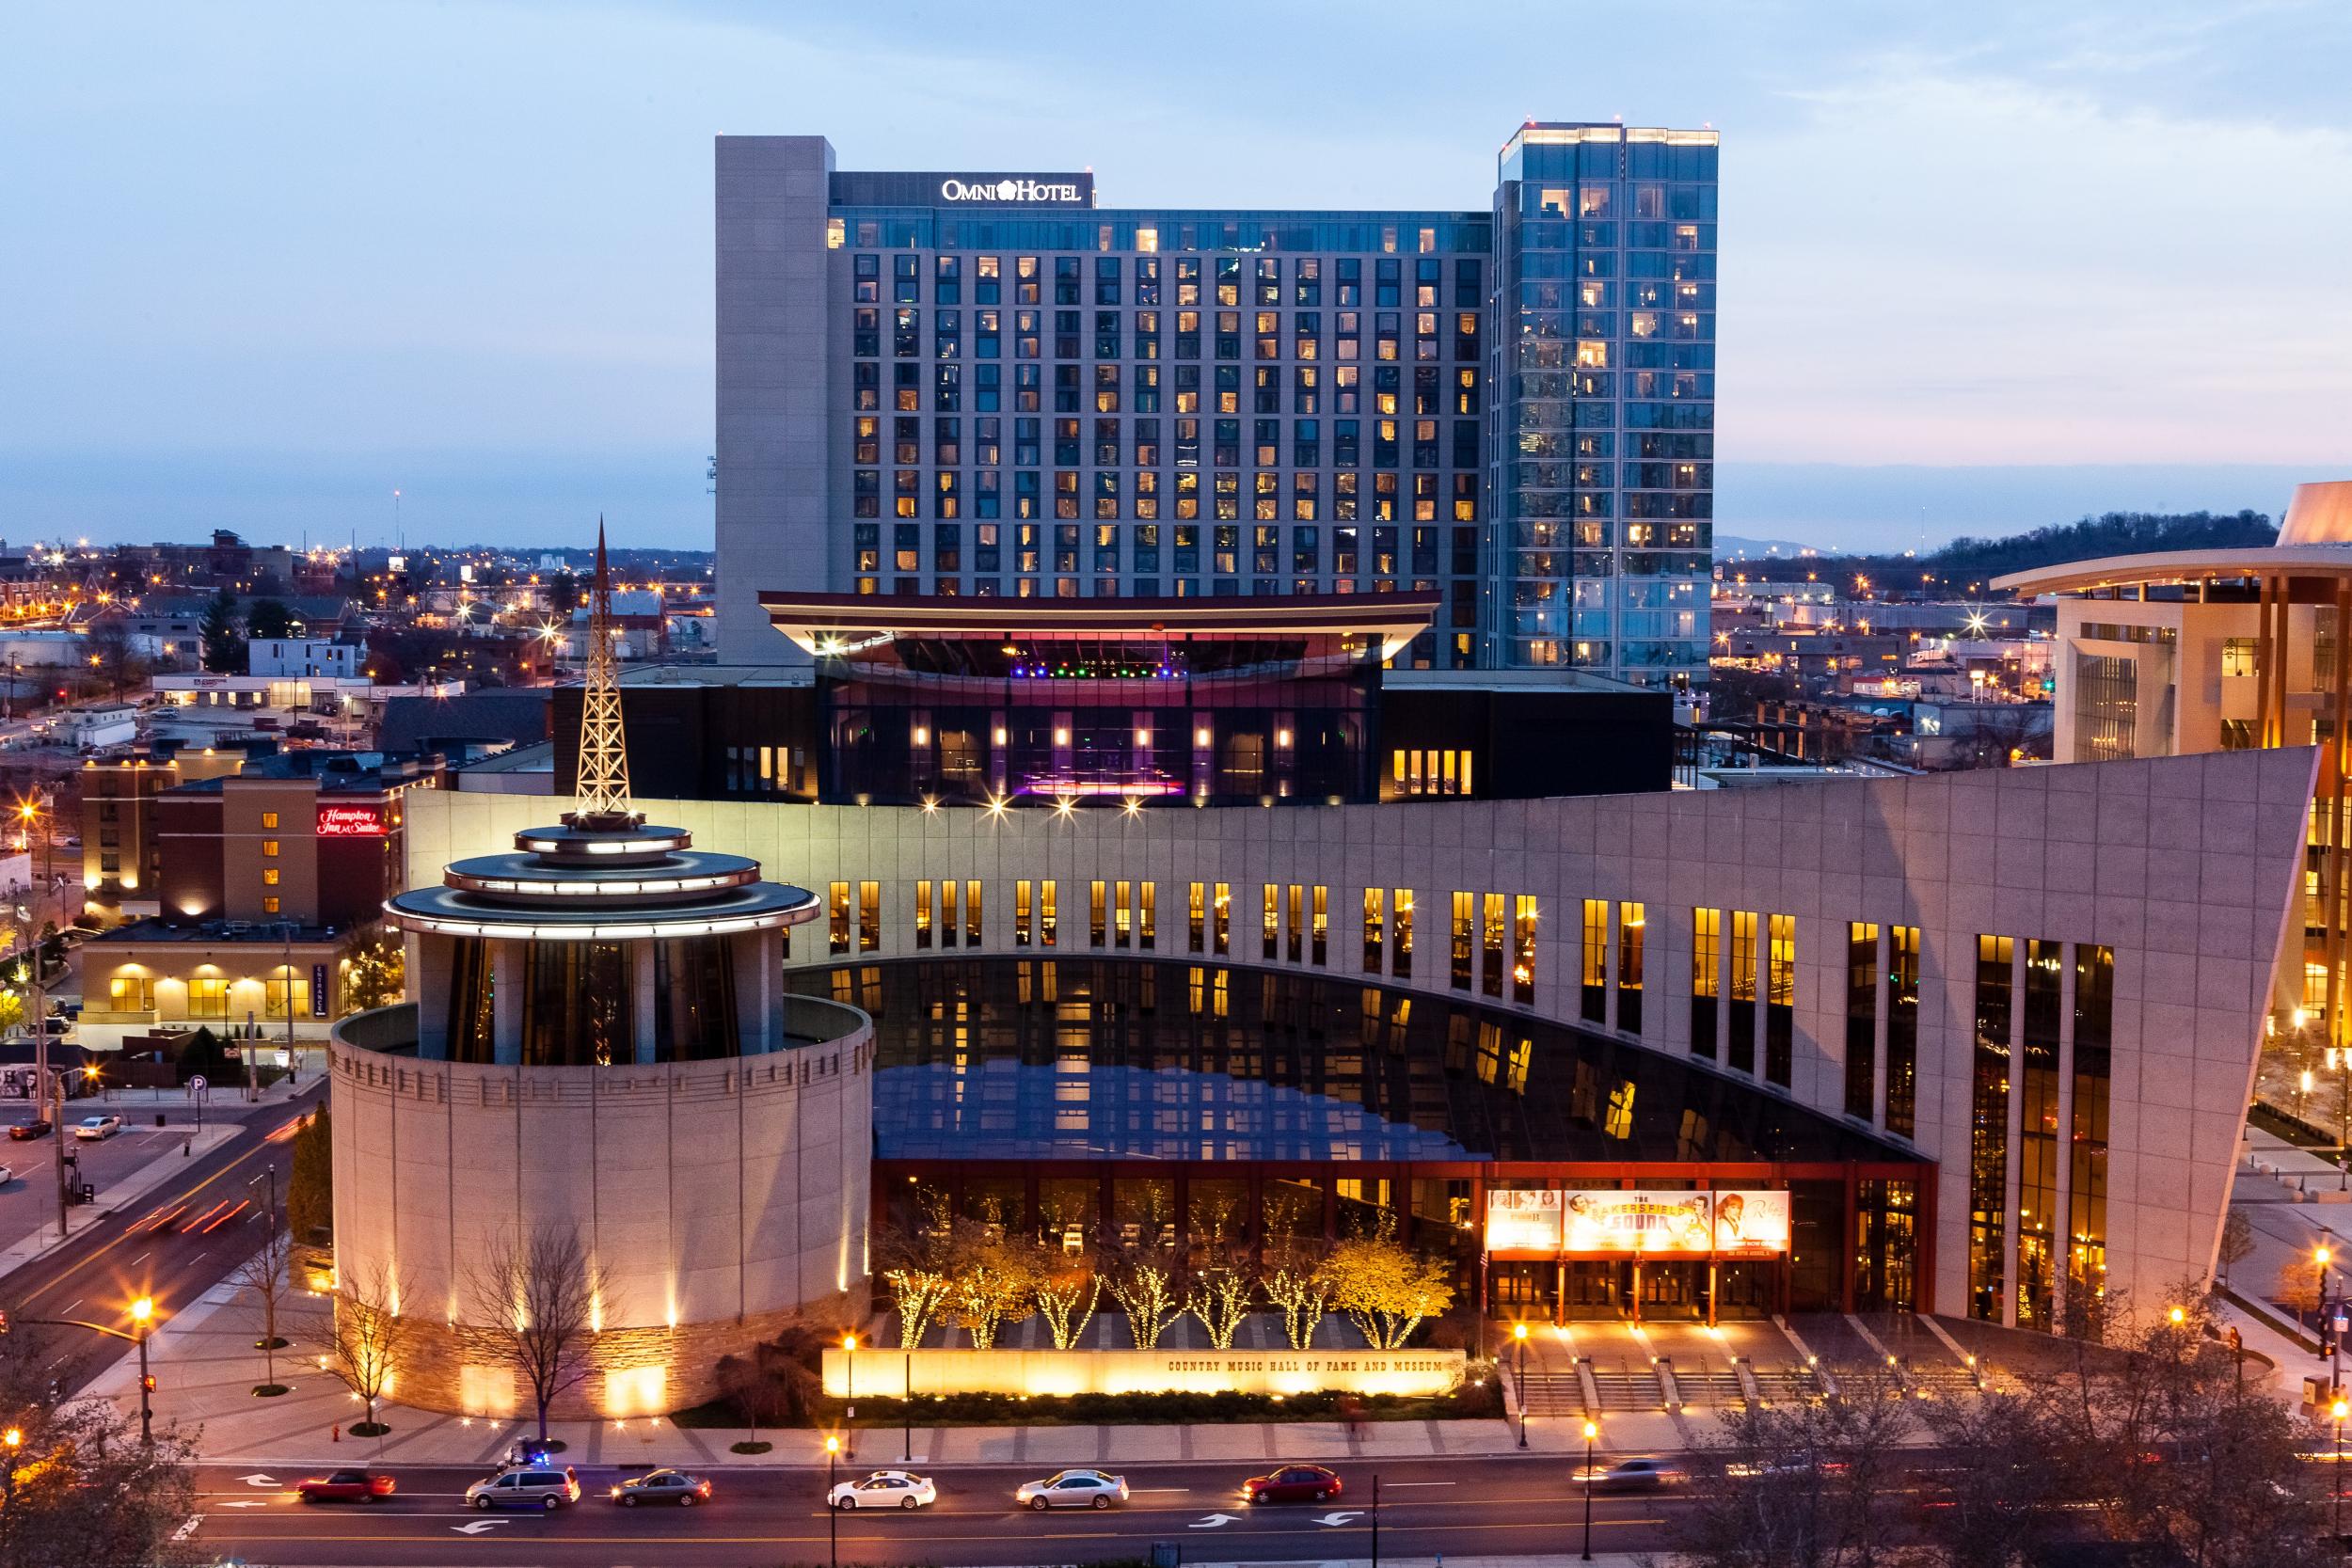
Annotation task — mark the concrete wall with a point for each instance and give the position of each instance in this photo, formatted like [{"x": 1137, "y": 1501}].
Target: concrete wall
[
  {"x": 887, "y": 1373},
  {"x": 715, "y": 1194},
  {"x": 2184, "y": 866}
]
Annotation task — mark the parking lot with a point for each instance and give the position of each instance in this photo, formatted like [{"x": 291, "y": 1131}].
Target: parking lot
[{"x": 29, "y": 1197}]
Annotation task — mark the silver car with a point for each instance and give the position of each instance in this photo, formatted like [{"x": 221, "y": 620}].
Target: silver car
[
  {"x": 539, "y": 1486},
  {"x": 1073, "y": 1489}
]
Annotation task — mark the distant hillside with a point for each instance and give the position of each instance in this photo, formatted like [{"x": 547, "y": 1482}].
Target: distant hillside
[{"x": 1967, "y": 561}]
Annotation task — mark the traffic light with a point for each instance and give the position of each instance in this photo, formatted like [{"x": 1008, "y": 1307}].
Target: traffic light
[
  {"x": 148, "y": 1382},
  {"x": 4, "y": 1320}
]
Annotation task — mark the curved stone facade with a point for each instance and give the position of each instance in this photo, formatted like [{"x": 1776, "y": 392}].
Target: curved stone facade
[{"x": 718, "y": 1197}]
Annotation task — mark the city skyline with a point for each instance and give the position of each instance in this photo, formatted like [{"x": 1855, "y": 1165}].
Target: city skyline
[{"x": 515, "y": 340}]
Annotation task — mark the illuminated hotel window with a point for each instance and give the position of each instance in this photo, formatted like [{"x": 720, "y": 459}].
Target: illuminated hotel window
[
  {"x": 1903, "y": 1028},
  {"x": 971, "y": 913},
  {"x": 269, "y": 905},
  {"x": 1195, "y": 918},
  {"x": 1631, "y": 927},
  {"x": 1098, "y": 922},
  {"x": 922, "y": 915},
  {"x": 1122, "y": 914},
  {"x": 1319, "y": 946},
  {"x": 1593, "y": 998},
  {"x": 208, "y": 996},
  {"x": 1430, "y": 772},
  {"x": 869, "y": 917},
  {"x": 1272, "y": 927},
  {"x": 1048, "y": 924},
  {"x": 1491, "y": 934},
  {"x": 1465, "y": 916},
  {"x": 269, "y": 819},
  {"x": 1780, "y": 999},
  {"x": 1988, "y": 1132},
  {"x": 269, "y": 875},
  {"x": 1147, "y": 915},
  {"x": 1375, "y": 926},
  {"x": 269, "y": 848},
  {"x": 1222, "y": 912},
  {"x": 1862, "y": 1010},
  {"x": 1740, "y": 1056},
  {"x": 1707, "y": 937},
  {"x": 1297, "y": 936},
  {"x": 1022, "y": 899},
  {"x": 837, "y": 906},
  {"x": 1401, "y": 960}
]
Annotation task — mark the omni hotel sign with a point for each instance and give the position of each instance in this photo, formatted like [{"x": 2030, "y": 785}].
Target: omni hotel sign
[
  {"x": 1010, "y": 189},
  {"x": 1611, "y": 1223}
]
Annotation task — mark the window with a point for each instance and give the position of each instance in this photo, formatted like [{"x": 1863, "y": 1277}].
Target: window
[
  {"x": 269, "y": 848},
  {"x": 1465, "y": 912},
  {"x": 1319, "y": 940},
  {"x": 131, "y": 993},
  {"x": 1023, "y": 892},
  {"x": 1862, "y": 1013},
  {"x": 1707, "y": 937},
  {"x": 1491, "y": 961},
  {"x": 286, "y": 993},
  {"x": 1147, "y": 915},
  {"x": 1376, "y": 927},
  {"x": 1988, "y": 1132},
  {"x": 208, "y": 996},
  {"x": 1048, "y": 924},
  {"x": 922, "y": 915},
  {"x": 1740, "y": 1056},
  {"x": 1429, "y": 772},
  {"x": 1291, "y": 949},
  {"x": 1592, "y": 999},
  {"x": 269, "y": 819},
  {"x": 869, "y": 917},
  {"x": 2037, "y": 1147},
  {"x": 1632, "y": 925},
  {"x": 1122, "y": 914},
  {"x": 1273, "y": 923},
  {"x": 1195, "y": 918},
  {"x": 1098, "y": 921},
  {"x": 270, "y": 904},
  {"x": 1222, "y": 928},
  {"x": 837, "y": 926},
  {"x": 1903, "y": 1028},
  {"x": 1401, "y": 957},
  {"x": 2237, "y": 655},
  {"x": 971, "y": 914},
  {"x": 2086, "y": 1215},
  {"x": 269, "y": 875},
  {"x": 1780, "y": 998}
]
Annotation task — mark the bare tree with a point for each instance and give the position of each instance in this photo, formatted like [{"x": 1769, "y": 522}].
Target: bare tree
[
  {"x": 368, "y": 1337},
  {"x": 1068, "y": 1290},
  {"x": 535, "y": 1302},
  {"x": 265, "y": 1274},
  {"x": 77, "y": 1485}
]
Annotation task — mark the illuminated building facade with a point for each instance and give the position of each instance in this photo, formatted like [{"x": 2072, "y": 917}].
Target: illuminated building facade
[{"x": 988, "y": 386}]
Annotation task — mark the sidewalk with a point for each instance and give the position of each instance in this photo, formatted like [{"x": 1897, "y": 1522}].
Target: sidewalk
[{"x": 114, "y": 1197}]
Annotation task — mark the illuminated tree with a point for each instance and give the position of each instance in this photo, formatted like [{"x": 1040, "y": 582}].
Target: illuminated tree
[
  {"x": 377, "y": 972},
  {"x": 1304, "y": 1294},
  {"x": 367, "y": 1337},
  {"x": 1144, "y": 1293},
  {"x": 536, "y": 1304},
  {"x": 1220, "y": 1300},
  {"x": 1067, "y": 1292},
  {"x": 1385, "y": 1289},
  {"x": 992, "y": 1285}
]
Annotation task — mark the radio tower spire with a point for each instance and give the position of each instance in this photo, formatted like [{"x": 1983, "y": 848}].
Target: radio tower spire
[{"x": 603, "y": 785}]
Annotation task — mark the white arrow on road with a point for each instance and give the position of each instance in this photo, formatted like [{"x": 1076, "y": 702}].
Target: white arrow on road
[
  {"x": 189, "y": 1528},
  {"x": 1338, "y": 1518},
  {"x": 247, "y": 1502},
  {"x": 478, "y": 1527},
  {"x": 1214, "y": 1520},
  {"x": 257, "y": 1478}
]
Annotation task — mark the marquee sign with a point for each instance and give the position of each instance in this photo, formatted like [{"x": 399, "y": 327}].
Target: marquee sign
[
  {"x": 347, "y": 821},
  {"x": 1605, "y": 1222}
]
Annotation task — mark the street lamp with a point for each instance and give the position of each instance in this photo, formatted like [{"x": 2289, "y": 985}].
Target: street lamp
[
  {"x": 1518, "y": 1335},
  {"x": 143, "y": 1313},
  {"x": 848, "y": 1403},
  {"x": 832, "y": 1511},
  {"x": 1592, "y": 1431}
]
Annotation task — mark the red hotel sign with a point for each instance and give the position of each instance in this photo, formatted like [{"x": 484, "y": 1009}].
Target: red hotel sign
[{"x": 351, "y": 823}]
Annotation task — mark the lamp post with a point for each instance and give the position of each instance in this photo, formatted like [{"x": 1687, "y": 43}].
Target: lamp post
[
  {"x": 906, "y": 1404},
  {"x": 1519, "y": 1336},
  {"x": 2321, "y": 1256},
  {"x": 832, "y": 1511},
  {"x": 2335, "y": 1489},
  {"x": 1592, "y": 1431},
  {"x": 848, "y": 1404},
  {"x": 143, "y": 1313}
]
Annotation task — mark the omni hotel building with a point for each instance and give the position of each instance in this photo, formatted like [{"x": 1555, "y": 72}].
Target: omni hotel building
[{"x": 1124, "y": 905}]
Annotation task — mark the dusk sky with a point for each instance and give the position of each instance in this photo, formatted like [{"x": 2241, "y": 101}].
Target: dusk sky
[{"x": 1983, "y": 267}]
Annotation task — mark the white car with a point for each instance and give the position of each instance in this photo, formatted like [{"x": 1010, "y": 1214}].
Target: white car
[
  {"x": 6, "y": 1176},
  {"x": 885, "y": 1489},
  {"x": 1073, "y": 1489},
  {"x": 94, "y": 1128}
]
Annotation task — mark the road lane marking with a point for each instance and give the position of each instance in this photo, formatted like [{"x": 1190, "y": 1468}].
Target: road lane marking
[
  {"x": 1336, "y": 1517},
  {"x": 1215, "y": 1521},
  {"x": 1401, "y": 1485},
  {"x": 77, "y": 1301},
  {"x": 1143, "y": 1491},
  {"x": 189, "y": 1528},
  {"x": 258, "y": 1479}
]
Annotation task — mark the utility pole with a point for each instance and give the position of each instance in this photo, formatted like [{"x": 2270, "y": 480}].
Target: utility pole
[{"x": 36, "y": 1005}]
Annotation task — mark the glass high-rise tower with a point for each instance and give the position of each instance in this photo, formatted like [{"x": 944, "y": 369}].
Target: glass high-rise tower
[{"x": 981, "y": 383}]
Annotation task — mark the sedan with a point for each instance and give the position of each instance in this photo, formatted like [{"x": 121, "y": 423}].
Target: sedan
[
  {"x": 885, "y": 1489},
  {"x": 1633, "y": 1474},
  {"x": 344, "y": 1486},
  {"x": 90, "y": 1129},
  {"x": 1073, "y": 1489},
  {"x": 24, "y": 1132},
  {"x": 662, "y": 1486},
  {"x": 1293, "y": 1483}
]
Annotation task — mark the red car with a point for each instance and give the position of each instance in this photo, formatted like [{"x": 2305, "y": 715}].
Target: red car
[
  {"x": 1293, "y": 1483},
  {"x": 344, "y": 1486},
  {"x": 24, "y": 1130}
]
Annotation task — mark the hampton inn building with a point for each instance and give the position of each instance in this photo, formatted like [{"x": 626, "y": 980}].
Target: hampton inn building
[{"x": 988, "y": 383}]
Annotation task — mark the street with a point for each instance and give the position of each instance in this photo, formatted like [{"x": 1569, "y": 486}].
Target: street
[
  {"x": 1469, "y": 1506},
  {"x": 174, "y": 1243}
]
